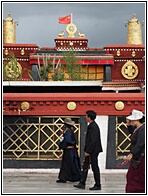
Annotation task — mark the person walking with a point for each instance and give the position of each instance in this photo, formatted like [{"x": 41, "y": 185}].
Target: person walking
[
  {"x": 70, "y": 166},
  {"x": 92, "y": 149},
  {"x": 135, "y": 177}
]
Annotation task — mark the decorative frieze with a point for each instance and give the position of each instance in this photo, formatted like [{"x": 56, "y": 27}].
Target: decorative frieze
[{"x": 70, "y": 104}]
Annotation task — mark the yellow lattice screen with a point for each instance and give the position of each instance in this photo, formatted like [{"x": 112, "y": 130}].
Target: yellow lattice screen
[
  {"x": 34, "y": 138},
  {"x": 122, "y": 138}
]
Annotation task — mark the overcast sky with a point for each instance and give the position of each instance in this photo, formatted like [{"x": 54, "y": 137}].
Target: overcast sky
[{"x": 102, "y": 23}]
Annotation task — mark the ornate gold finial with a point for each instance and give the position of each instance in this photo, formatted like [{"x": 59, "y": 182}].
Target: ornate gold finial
[
  {"x": 9, "y": 32},
  {"x": 134, "y": 15},
  {"x": 134, "y": 35},
  {"x": 8, "y": 14},
  {"x": 8, "y": 18}
]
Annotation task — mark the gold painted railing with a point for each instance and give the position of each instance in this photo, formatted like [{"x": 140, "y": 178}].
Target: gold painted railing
[
  {"x": 35, "y": 138},
  {"x": 122, "y": 138}
]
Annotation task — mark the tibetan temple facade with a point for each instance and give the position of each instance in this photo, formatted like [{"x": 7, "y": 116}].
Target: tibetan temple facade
[{"x": 112, "y": 84}]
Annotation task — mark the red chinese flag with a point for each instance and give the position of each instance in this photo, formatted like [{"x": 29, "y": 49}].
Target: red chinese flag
[{"x": 65, "y": 19}]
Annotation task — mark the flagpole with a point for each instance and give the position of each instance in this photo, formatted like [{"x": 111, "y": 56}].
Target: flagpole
[{"x": 71, "y": 17}]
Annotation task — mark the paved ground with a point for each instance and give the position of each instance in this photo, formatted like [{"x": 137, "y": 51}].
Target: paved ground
[{"x": 44, "y": 182}]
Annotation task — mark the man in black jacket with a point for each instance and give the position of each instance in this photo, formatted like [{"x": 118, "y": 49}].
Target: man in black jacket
[{"x": 91, "y": 150}]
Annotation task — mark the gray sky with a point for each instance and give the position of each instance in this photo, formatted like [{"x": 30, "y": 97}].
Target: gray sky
[{"x": 102, "y": 23}]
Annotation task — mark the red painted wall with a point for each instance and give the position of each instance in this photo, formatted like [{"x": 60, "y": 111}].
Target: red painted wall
[{"x": 126, "y": 55}]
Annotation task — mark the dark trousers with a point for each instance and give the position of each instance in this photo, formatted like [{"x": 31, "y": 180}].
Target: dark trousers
[{"x": 95, "y": 169}]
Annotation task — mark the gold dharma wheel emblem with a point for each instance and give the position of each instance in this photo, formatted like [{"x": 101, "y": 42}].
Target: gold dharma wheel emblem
[
  {"x": 25, "y": 105},
  {"x": 71, "y": 29},
  {"x": 13, "y": 70},
  {"x": 119, "y": 105},
  {"x": 71, "y": 105},
  {"x": 129, "y": 70}
]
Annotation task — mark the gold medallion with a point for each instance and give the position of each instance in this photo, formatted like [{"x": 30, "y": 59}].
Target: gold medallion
[
  {"x": 119, "y": 105},
  {"x": 71, "y": 105},
  {"x": 25, "y": 105}
]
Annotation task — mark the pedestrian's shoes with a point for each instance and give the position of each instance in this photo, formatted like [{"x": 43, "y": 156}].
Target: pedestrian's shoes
[
  {"x": 95, "y": 187},
  {"x": 80, "y": 186}
]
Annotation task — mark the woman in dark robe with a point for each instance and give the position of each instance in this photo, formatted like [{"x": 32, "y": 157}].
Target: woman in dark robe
[
  {"x": 70, "y": 166},
  {"x": 136, "y": 173}
]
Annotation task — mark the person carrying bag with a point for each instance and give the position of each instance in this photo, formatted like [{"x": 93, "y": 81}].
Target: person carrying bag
[{"x": 135, "y": 176}]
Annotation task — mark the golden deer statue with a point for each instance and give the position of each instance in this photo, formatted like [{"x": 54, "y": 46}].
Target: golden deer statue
[
  {"x": 80, "y": 34},
  {"x": 61, "y": 34}
]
